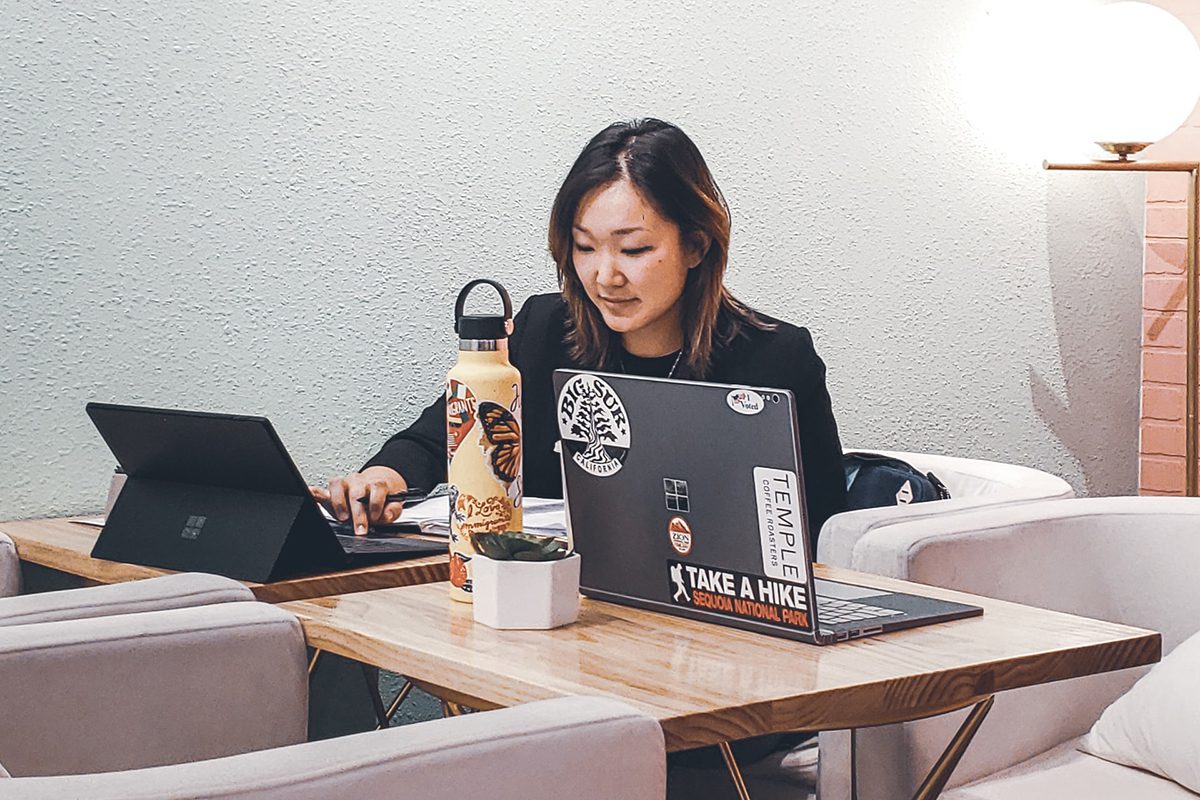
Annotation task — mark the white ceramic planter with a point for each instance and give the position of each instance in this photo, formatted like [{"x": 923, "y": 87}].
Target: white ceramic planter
[{"x": 525, "y": 594}]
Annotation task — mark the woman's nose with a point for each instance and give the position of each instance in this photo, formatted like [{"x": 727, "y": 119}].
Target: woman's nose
[{"x": 609, "y": 273}]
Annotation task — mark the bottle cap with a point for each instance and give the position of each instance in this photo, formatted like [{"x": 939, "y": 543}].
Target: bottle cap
[{"x": 483, "y": 326}]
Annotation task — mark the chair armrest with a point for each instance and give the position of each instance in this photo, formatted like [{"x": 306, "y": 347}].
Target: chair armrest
[
  {"x": 1124, "y": 559},
  {"x": 10, "y": 568},
  {"x": 973, "y": 477},
  {"x": 973, "y": 484},
  {"x": 580, "y": 748},
  {"x": 841, "y": 533},
  {"x": 139, "y": 690},
  {"x": 184, "y": 590}
]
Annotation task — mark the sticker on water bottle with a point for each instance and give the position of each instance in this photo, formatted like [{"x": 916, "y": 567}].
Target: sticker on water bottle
[
  {"x": 501, "y": 441},
  {"x": 470, "y": 514},
  {"x": 460, "y": 574},
  {"x": 460, "y": 415}
]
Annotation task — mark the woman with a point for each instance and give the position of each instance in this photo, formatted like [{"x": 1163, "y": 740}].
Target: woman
[{"x": 640, "y": 234}]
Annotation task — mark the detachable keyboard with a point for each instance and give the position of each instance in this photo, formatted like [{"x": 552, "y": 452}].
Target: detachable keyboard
[
  {"x": 384, "y": 539},
  {"x": 367, "y": 545}
]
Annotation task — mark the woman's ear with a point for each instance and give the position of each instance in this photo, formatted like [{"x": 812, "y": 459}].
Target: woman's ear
[{"x": 700, "y": 242}]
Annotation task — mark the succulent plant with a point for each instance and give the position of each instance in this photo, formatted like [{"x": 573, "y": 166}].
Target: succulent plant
[{"x": 515, "y": 546}]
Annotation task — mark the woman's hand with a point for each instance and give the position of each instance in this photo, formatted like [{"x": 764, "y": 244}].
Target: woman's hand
[{"x": 374, "y": 483}]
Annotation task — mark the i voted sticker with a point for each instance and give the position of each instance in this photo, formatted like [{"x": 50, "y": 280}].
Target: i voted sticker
[{"x": 745, "y": 401}]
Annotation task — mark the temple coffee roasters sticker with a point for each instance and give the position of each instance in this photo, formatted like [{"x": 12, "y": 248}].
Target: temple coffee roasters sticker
[{"x": 593, "y": 425}]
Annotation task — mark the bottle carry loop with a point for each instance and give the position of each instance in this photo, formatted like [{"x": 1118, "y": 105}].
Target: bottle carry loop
[{"x": 462, "y": 300}]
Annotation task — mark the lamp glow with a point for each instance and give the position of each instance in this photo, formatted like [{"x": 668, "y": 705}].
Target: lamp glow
[{"x": 1137, "y": 76}]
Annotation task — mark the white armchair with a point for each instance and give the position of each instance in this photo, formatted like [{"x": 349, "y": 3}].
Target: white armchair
[
  {"x": 179, "y": 590},
  {"x": 1126, "y": 559},
  {"x": 972, "y": 484},
  {"x": 10, "y": 568},
  {"x": 211, "y": 702}
]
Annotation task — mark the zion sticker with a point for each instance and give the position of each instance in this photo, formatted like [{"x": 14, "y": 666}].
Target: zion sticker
[
  {"x": 680, "y": 534},
  {"x": 593, "y": 425}
]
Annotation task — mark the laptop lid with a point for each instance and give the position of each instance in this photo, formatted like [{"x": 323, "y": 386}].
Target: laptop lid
[
  {"x": 209, "y": 492},
  {"x": 668, "y": 482}
]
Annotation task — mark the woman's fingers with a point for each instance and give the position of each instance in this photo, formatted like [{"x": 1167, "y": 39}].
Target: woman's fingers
[
  {"x": 320, "y": 495},
  {"x": 357, "y": 488},
  {"x": 361, "y": 497},
  {"x": 338, "y": 499},
  {"x": 376, "y": 501},
  {"x": 392, "y": 511}
]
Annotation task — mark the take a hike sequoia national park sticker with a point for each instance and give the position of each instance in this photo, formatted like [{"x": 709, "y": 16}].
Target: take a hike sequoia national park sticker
[{"x": 593, "y": 425}]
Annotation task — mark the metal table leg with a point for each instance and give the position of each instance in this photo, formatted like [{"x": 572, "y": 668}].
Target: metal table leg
[
  {"x": 734, "y": 772},
  {"x": 400, "y": 697},
  {"x": 371, "y": 676},
  {"x": 939, "y": 774},
  {"x": 312, "y": 662},
  {"x": 943, "y": 768}
]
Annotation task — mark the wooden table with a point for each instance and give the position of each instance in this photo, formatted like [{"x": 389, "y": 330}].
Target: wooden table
[
  {"x": 66, "y": 546},
  {"x": 708, "y": 684}
]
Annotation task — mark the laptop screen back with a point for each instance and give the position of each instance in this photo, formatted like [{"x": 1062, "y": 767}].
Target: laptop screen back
[
  {"x": 233, "y": 451},
  {"x": 686, "y": 495}
]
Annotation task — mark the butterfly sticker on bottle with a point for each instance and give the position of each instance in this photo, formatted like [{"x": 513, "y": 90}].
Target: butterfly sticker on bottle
[{"x": 501, "y": 440}]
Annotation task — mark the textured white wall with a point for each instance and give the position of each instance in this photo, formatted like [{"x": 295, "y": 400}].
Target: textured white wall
[{"x": 267, "y": 207}]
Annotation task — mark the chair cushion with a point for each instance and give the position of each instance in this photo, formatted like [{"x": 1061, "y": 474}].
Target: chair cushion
[
  {"x": 182, "y": 590},
  {"x": 574, "y": 748},
  {"x": 1155, "y": 726},
  {"x": 1064, "y": 772}
]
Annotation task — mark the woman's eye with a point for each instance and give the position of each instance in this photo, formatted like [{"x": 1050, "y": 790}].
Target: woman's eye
[
  {"x": 582, "y": 248},
  {"x": 637, "y": 251}
]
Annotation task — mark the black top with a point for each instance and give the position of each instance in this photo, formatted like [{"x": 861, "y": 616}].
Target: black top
[
  {"x": 654, "y": 367},
  {"x": 783, "y": 358}
]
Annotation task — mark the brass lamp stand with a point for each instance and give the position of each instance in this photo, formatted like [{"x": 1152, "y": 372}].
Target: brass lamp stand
[{"x": 1193, "y": 337}]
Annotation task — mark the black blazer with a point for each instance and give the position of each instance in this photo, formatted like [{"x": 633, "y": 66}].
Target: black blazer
[{"x": 783, "y": 358}]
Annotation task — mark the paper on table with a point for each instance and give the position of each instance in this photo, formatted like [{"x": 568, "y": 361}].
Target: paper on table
[{"x": 544, "y": 516}]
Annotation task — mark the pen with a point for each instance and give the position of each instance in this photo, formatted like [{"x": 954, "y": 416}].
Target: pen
[{"x": 399, "y": 497}]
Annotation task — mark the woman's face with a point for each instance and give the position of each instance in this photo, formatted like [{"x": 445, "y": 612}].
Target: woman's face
[{"x": 633, "y": 264}]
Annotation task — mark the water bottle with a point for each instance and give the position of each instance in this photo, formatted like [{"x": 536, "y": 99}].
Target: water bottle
[{"x": 483, "y": 434}]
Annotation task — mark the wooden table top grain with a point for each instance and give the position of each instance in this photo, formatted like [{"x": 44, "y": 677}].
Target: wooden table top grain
[
  {"x": 66, "y": 546},
  {"x": 707, "y": 683}
]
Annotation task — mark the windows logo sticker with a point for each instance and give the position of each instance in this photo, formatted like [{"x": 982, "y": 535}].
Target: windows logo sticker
[
  {"x": 193, "y": 527},
  {"x": 676, "y": 492}
]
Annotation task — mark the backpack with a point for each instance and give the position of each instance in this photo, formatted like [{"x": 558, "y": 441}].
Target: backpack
[{"x": 874, "y": 480}]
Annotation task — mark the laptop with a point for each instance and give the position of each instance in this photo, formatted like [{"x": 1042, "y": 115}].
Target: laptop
[
  {"x": 219, "y": 493},
  {"x": 688, "y": 498}
]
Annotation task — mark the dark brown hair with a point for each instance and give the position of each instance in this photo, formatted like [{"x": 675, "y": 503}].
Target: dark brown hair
[{"x": 667, "y": 169}]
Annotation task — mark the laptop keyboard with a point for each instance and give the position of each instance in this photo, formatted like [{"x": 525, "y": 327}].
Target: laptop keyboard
[
  {"x": 833, "y": 611},
  {"x": 363, "y": 544}
]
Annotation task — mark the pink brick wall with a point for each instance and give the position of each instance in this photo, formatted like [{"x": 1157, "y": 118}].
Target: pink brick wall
[{"x": 1164, "y": 363}]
